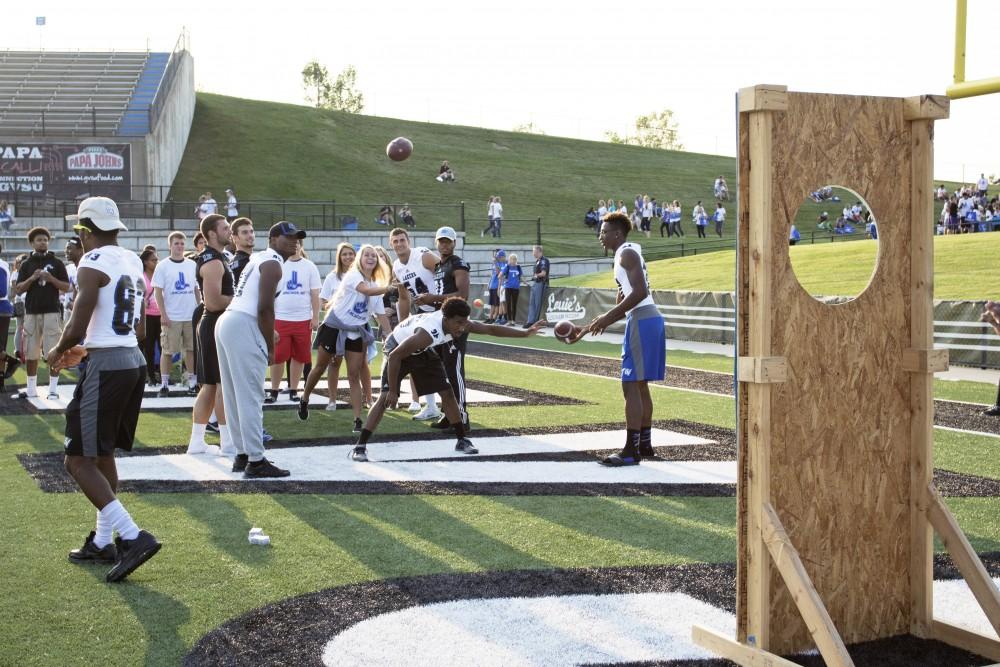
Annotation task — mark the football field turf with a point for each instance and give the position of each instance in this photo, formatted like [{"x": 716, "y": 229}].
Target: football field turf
[{"x": 207, "y": 573}]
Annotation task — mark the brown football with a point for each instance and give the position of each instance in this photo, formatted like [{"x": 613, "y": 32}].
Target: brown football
[{"x": 399, "y": 149}]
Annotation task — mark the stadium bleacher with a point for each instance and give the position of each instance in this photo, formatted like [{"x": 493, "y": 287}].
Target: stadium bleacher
[{"x": 81, "y": 93}]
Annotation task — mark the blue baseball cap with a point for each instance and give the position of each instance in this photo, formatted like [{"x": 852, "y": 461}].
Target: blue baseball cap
[
  {"x": 501, "y": 253},
  {"x": 284, "y": 228}
]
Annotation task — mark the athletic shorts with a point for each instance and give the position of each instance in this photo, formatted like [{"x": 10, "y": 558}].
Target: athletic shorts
[
  {"x": 41, "y": 333},
  {"x": 293, "y": 341},
  {"x": 5, "y": 332},
  {"x": 644, "y": 348},
  {"x": 326, "y": 338},
  {"x": 105, "y": 408},
  {"x": 206, "y": 361},
  {"x": 425, "y": 369},
  {"x": 176, "y": 337}
]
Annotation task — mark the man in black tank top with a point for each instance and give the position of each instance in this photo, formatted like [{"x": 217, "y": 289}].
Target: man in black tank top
[
  {"x": 452, "y": 278},
  {"x": 216, "y": 283},
  {"x": 243, "y": 239}
]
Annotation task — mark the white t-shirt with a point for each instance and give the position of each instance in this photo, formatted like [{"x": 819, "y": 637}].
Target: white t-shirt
[
  {"x": 67, "y": 297},
  {"x": 247, "y": 296},
  {"x": 647, "y": 209},
  {"x": 119, "y": 303},
  {"x": 416, "y": 277},
  {"x": 209, "y": 206},
  {"x": 497, "y": 210},
  {"x": 432, "y": 323},
  {"x": 621, "y": 275},
  {"x": 177, "y": 280},
  {"x": 330, "y": 285},
  {"x": 983, "y": 184},
  {"x": 720, "y": 215},
  {"x": 351, "y": 306},
  {"x": 298, "y": 280},
  {"x": 231, "y": 209}
]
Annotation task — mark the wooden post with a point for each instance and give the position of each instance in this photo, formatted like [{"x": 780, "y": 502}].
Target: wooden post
[{"x": 921, "y": 112}]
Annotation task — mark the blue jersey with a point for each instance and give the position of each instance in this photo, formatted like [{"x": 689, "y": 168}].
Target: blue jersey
[
  {"x": 6, "y": 307},
  {"x": 495, "y": 274},
  {"x": 512, "y": 276}
]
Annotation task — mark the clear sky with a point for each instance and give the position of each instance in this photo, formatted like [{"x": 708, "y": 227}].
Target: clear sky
[{"x": 574, "y": 69}]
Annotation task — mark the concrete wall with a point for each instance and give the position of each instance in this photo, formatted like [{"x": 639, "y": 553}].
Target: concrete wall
[{"x": 166, "y": 143}]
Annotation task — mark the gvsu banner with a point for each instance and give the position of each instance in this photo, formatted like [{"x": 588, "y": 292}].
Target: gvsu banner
[{"x": 65, "y": 171}]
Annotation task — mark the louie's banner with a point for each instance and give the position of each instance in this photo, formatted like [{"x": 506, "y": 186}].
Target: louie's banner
[{"x": 65, "y": 171}]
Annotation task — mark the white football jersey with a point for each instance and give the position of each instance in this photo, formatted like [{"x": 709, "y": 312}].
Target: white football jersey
[
  {"x": 119, "y": 303},
  {"x": 247, "y": 296},
  {"x": 432, "y": 323},
  {"x": 415, "y": 277},
  {"x": 621, "y": 275}
]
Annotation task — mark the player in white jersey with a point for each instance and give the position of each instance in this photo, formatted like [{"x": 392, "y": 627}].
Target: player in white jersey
[
  {"x": 644, "y": 348},
  {"x": 104, "y": 411},
  {"x": 409, "y": 350},
  {"x": 414, "y": 269}
]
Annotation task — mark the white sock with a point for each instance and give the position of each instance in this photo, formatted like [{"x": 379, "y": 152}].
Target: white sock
[
  {"x": 119, "y": 518},
  {"x": 192, "y": 380},
  {"x": 225, "y": 439},
  {"x": 432, "y": 403},
  {"x": 53, "y": 383},
  {"x": 213, "y": 418},
  {"x": 165, "y": 380},
  {"x": 103, "y": 531},
  {"x": 32, "y": 387},
  {"x": 197, "y": 434}
]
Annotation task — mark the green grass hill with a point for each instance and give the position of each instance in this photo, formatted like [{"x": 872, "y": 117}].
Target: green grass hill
[
  {"x": 267, "y": 150},
  {"x": 963, "y": 269}
]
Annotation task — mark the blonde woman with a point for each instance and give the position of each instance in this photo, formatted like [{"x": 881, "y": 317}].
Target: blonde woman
[
  {"x": 345, "y": 258},
  {"x": 346, "y": 330}
]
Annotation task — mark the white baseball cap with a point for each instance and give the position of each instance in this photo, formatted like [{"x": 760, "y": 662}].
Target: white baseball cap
[
  {"x": 103, "y": 212},
  {"x": 446, "y": 233}
]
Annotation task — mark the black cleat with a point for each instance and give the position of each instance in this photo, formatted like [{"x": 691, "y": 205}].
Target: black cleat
[
  {"x": 90, "y": 553},
  {"x": 212, "y": 427},
  {"x": 264, "y": 468},
  {"x": 163, "y": 393},
  {"x": 240, "y": 463},
  {"x": 303, "y": 410},
  {"x": 620, "y": 460},
  {"x": 293, "y": 396},
  {"x": 193, "y": 391},
  {"x": 465, "y": 446},
  {"x": 441, "y": 423},
  {"x": 12, "y": 364},
  {"x": 647, "y": 452},
  {"x": 993, "y": 411},
  {"x": 132, "y": 554},
  {"x": 359, "y": 454},
  {"x": 358, "y": 425}
]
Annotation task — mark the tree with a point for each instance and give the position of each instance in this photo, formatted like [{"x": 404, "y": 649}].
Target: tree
[
  {"x": 656, "y": 130},
  {"x": 529, "y": 128},
  {"x": 341, "y": 95}
]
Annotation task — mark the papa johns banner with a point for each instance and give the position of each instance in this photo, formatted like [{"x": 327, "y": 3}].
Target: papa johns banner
[{"x": 66, "y": 171}]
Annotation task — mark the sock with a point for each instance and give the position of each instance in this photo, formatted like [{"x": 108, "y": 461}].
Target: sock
[
  {"x": 53, "y": 383},
  {"x": 192, "y": 380},
  {"x": 460, "y": 429},
  {"x": 225, "y": 438},
  {"x": 213, "y": 418},
  {"x": 363, "y": 438},
  {"x": 165, "y": 380},
  {"x": 646, "y": 437},
  {"x": 32, "y": 387},
  {"x": 631, "y": 442},
  {"x": 432, "y": 403},
  {"x": 198, "y": 434},
  {"x": 119, "y": 518},
  {"x": 103, "y": 532}
]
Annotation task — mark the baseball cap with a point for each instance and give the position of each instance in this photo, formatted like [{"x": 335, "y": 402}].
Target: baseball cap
[
  {"x": 103, "y": 212},
  {"x": 284, "y": 228},
  {"x": 446, "y": 233},
  {"x": 501, "y": 253}
]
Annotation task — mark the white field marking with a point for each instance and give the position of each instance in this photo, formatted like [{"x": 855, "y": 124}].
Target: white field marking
[
  {"x": 579, "y": 354},
  {"x": 331, "y": 463},
  {"x": 955, "y": 604},
  {"x": 518, "y": 632},
  {"x": 948, "y": 400},
  {"x": 152, "y": 402},
  {"x": 963, "y": 430}
]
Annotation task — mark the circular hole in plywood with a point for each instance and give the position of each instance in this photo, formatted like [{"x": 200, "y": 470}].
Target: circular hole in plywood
[{"x": 834, "y": 243}]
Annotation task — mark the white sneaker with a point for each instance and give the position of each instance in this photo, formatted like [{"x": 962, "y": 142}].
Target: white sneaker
[
  {"x": 331, "y": 406},
  {"x": 53, "y": 396},
  {"x": 427, "y": 414},
  {"x": 415, "y": 406},
  {"x": 202, "y": 448}
]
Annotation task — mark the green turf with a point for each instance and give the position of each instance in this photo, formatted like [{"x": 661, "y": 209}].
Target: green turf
[
  {"x": 207, "y": 573},
  {"x": 963, "y": 269}
]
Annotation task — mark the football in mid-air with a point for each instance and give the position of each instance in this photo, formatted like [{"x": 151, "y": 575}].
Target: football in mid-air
[
  {"x": 399, "y": 149},
  {"x": 478, "y": 303},
  {"x": 566, "y": 330}
]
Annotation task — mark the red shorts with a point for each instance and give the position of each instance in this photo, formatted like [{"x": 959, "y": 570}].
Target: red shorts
[{"x": 294, "y": 341}]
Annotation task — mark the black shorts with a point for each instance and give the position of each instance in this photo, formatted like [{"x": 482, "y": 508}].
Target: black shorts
[
  {"x": 105, "y": 408},
  {"x": 326, "y": 338},
  {"x": 4, "y": 332},
  {"x": 494, "y": 296},
  {"x": 425, "y": 369},
  {"x": 206, "y": 361}
]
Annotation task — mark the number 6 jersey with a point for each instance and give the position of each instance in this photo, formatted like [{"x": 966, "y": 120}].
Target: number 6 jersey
[{"x": 119, "y": 303}]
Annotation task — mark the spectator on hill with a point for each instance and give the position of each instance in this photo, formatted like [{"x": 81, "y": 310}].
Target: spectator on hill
[
  {"x": 6, "y": 219},
  {"x": 406, "y": 214},
  {"x": 719, "y": 217},
  {"x": 602, "y": 210},
  {"x": 636, "y": 220},
  {"x": 591, "y": 219},
  {"x": 622, "y": 208},
  {"x": 721, "y": 189},
  {"x": 700, "y": 219},
  {"x": 611, "y": 207},
  {"x": 495, "y": 214},
  {"x": 647, "y": 214},
  {"x": 637, "y": 204},
  {"x": 385, "y": 216},
  {"x": 665, "y": 218},
  {"x": 232, "y": 205},
  {"x": 982, "y": 185},
  {"x": 445, "y": 173},
  {"x": 199, "y": 211},
  {"x": 941, "y": 194},
  {"x": 823, "y": 221},
  {"x": 208, "y": 206},
  {"x": 675, "y": 221}
]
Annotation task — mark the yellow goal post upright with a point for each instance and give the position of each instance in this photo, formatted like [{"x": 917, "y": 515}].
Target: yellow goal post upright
[
  {"x": 960, "y": 87},
  {"x": 836, "y": 503}
]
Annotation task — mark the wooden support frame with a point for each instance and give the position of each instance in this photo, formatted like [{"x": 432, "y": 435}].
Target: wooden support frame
[
  {"x": 762, "y": 370},
  {"x": 925, "y": 361}
]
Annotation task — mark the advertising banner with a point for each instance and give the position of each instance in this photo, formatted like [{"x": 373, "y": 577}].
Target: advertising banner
[{"x": 65, "y": 171}]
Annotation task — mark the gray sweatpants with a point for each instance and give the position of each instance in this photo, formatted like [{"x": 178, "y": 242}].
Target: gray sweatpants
[{"x": 242, "y": 367}]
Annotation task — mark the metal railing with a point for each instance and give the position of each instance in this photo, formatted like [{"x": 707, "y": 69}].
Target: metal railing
[
  {"x": 42, "y": 121},
  {"x": 167, "y": 80}
]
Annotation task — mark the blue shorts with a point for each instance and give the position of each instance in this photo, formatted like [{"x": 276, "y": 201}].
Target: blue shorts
[{"x": 644, "y": 348}]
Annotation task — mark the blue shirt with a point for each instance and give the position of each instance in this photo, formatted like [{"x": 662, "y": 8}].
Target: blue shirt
[
  {"x": 512, "y": 276},
  {"x": 495, "y": 274},
  {"x": 6, "y": 307}
]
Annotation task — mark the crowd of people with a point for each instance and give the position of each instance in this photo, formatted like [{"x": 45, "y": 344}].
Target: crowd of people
[
  {"x": 968, "y": 209},
  {"x": 646, "y": 209}
]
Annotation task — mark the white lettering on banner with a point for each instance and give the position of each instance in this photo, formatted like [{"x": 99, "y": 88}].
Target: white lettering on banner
[
  {"x": 95, "y": 157},
  {"x": 564, "y": 309},
  {"x": 20, "y": 152}
]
